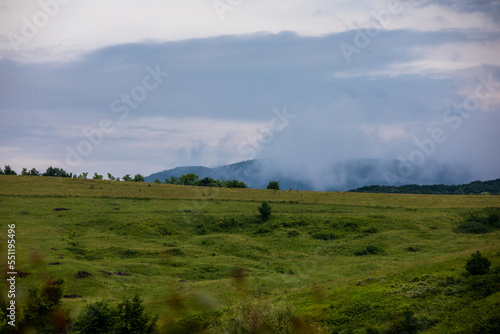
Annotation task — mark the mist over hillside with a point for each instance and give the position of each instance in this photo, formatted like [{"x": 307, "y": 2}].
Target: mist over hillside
[{"x": 338, "y": 176}]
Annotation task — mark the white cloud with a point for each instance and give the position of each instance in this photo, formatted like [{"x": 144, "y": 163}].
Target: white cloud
[
  {"x": 387, "y": 132},
  {"x": 161, "y": 141},
  {"x": 81, "y": 26}
]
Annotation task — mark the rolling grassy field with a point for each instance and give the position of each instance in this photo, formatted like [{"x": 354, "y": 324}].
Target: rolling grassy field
[{"x": 348, "y": 262}]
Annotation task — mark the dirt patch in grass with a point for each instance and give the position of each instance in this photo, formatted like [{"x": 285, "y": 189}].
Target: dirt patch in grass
[
  {"x": 21, "y": 274},
  {"x": 60, "y": 209},
  {"x": 82, "y": 274}
]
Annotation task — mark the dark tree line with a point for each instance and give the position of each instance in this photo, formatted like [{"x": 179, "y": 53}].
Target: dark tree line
[
  {"x": 186, "y": 180},
  {"x": 60, "y": 172},
  {"x": 194, "y": 180},
  {"x": 8, "y": 171},
  {"x": 475, "y": 188}
]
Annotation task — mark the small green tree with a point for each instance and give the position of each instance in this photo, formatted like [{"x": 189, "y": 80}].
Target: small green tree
[
  {"x": 235, "y": 184},
  {"x": 138, "y": 178},
  {"x": 127, "y": 178},
  {"x": 97, "y": 176},
  {"x": 34, "y": 172},
  {"x": 98, "y": 317},
  {"x": 128, "y": 317},
  {"x": 158, "y": 181},
  {"x": 274, "y": 185},
  {"x": 111, "y": 177},
  {"x": 9, "y": 171},
  {"x": 132, "y": 318},
  {"x": 265, "y": 211},
  {"x": 189, "y": 179},
  {"x": 56, "y": 172},
  {"x": 83, "y": 175},
  {"x": 43, "y": 311},
  {"x": 478, "y": 264}
]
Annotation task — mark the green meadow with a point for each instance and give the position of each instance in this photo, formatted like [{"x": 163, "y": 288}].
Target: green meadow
[{"x": 344, "y": 262}]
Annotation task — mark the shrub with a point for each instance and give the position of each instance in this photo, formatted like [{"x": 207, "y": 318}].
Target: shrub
[
  {"x": 138, "y": 178},
  {"x": 99, "y": 317},
  {"x": 418, "y": 290},
  {"x": 371, "y": 230},
  {"x": 133, "y": 319},
  {"x": 350, "y": 226},
  {"x": 263, "y": 230},
  {"x": 490, "y": 325},
  {"x": 9, "y": 171},
  {"x": 265, "y": 211},
  {"x": 127, "y": 317},
  {"x": 480, "y": 221},
  {"x": 369, "y": 250},
  {"x": 484, "y": 285},
  {"x": 196, "y": 323},
  {"x": 324, "y": 236},
  {"x": 273, "y": 185},
  {"x": 406, "y": 323},
  {"x": 263, "y": 316},
  {"x": 57, "y": 172},
  {"x": 473, "y": 228},
  {"x": 477, "y": 264},
  {"x": 43, "y": 312},
  {"x": 175, "y": 251}
]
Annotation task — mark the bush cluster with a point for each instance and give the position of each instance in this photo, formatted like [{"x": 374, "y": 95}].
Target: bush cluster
[
  {"x": 265, "y": 211},
  {"x": 369, "y": 250},
  {"x": 194, "y": 180},
  {"x": 257, "y": 315},
  {"x": 480, "y": 221},
  {"x": 127, "y": 317},
  {"x": 478, "y": 264}
]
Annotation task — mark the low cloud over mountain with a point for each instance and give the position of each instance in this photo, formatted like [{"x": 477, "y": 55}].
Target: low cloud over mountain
[{"x": 344, "y": 175}]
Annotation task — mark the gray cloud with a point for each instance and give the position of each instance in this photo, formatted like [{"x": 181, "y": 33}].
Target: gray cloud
[
  {"x": 490, "y": 8},
  {"x": 372, "y": 107}
]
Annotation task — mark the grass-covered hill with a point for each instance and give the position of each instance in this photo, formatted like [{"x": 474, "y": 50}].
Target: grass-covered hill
[{"x": 204, "y": 261}]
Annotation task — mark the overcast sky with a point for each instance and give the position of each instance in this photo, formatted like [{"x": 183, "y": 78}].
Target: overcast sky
[{"x": 125, "y": 86}]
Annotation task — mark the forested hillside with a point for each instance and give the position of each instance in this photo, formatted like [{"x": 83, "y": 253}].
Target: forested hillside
[{"x": 491, "y": 187}]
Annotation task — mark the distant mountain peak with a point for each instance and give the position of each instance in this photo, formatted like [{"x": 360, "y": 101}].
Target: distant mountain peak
[{"x": 342, "y": 175}]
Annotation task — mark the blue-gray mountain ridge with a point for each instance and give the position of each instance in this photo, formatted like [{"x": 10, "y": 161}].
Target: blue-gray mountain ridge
[{"x": 339, "y": 176}]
